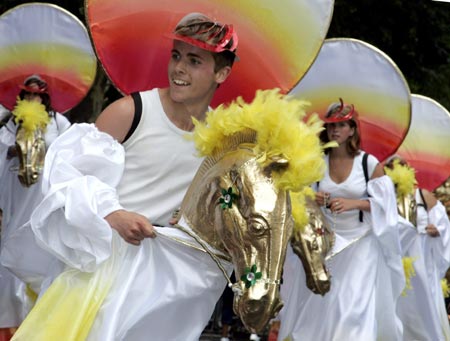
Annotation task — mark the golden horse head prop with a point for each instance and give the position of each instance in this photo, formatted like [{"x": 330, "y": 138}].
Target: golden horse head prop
[
  {"x": 239, "y": 201},
  {"x": 404, "y": 178},
  {"x": 312, "y": 241},
  {"x": 31, "y": 119}
]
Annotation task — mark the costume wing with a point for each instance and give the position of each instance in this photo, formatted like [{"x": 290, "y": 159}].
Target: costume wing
[
  {"x": 278, "y": 41},
  {"x": 365, "y": 76},
  {"x": 45, "y": 39},
  {"x": 426, "y": 146}
]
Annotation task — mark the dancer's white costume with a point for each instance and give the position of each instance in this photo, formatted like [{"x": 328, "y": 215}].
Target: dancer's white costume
[
  {"x": 367, "y": 275},
  {"x": 22, "y": 261},
  {"x": 422, "y": 309},
  {"x": 161, "y": 290}
]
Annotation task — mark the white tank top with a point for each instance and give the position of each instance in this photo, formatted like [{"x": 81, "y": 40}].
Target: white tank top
[
  {"x": 159, "y": 164},
  {"x": 347, "y": 223}
]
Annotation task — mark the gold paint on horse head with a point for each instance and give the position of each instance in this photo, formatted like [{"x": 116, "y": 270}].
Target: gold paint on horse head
[
  {"x": 312, "y": 244},
  {"x": 442, "y": 193},
  {"x": 255, "y": 230},
  {"x": 31, "y": 153},
  {"x": 407, "y": 208}
]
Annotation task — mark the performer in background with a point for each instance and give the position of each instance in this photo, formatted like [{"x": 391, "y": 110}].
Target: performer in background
[
  {"x": 422, "y": 307},
  {"x": 21, "y": 282}
]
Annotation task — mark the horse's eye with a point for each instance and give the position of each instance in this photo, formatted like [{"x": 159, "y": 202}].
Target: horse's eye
[{"x": 257, "y": 226}]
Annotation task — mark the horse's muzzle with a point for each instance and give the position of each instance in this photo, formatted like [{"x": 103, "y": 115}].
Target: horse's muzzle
[{"x": 255, "y": 314}]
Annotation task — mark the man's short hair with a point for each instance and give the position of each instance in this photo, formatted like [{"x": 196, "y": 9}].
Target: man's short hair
[{"x": 220, "y": 39}]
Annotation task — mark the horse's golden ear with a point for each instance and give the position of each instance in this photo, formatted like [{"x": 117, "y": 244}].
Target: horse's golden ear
[{"x": 277, "y": 163}]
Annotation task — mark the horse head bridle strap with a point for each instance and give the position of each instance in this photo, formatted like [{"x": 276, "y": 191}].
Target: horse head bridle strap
[{"x": 234, "y": 286}]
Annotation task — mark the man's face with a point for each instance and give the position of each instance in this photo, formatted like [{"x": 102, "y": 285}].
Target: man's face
[{"x": 191, "y": 73}]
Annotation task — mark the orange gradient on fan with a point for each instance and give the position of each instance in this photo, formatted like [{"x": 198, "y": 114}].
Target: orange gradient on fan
[
  {"x": 277, "y": 44},
  {"x": 363, "y": 76},
  {"x": 59, "y": 51},
  {"x": 426, "y": 146}
]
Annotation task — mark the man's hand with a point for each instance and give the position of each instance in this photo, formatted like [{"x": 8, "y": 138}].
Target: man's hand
[{"x": 132, "y": 227}]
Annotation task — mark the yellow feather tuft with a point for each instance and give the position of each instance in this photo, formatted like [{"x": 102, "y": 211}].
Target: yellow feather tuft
[
  {"x": 299, "y": 211},
  {"x": 445, "y": 288},
  {"x": 278, "y": 121},
  {"x": 31, "y": 115},
  {"x": 403, "y": 177},
  {"x": 408, "y": 268}
]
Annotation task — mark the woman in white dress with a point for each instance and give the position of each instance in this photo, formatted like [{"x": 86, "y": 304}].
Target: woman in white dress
[{"x": 365, "y": 264}]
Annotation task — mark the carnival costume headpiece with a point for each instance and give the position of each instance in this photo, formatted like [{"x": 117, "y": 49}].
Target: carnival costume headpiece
[
  {"x": 340, "y": 112},
  {"x": 35, "y": 84},
  {"x": 199, "y": 30}
]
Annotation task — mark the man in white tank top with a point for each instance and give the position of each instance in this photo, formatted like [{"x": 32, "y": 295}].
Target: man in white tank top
[
  {"x": 110, "y": 187},
  {"x": 201, "y": 59}
]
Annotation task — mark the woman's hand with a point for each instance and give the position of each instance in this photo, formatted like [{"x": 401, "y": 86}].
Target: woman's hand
[
  {"x": 432, "y": 231},
  {"x": 339, "y": 205},
  {"x": 323, "y": 199}
]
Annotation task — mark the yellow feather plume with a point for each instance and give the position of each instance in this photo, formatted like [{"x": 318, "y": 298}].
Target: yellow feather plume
[
  {"x": 31, "y": 115},
  {"x": 408, "y": 268},
  {"x": 445, "y": 288},
  {"x": 299, "y": 211},
  {"x": 278, "y": 121},
  {"x": 403, "y": 177}
]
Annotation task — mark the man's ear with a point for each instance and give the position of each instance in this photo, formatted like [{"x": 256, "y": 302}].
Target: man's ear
[{"x": 223, "y": 74}]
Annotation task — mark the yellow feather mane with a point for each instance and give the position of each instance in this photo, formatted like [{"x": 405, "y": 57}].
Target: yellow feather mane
[
  {"x": 31, "y": 115},
  {"x": 278, "y": 121},
  {"x": 403, "y": 177}
]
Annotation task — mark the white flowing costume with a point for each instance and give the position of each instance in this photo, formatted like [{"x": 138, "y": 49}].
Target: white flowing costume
[
  {"x": 22, "y": 261},
  {"x": 366, "y": 269},
  {"x": 422, "y": 310},
  {"x": 160, "y": 290}
]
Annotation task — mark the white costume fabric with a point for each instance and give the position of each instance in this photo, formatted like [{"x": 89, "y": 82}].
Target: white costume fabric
[
  {"x": 422, "y": 310},
  {"x": 19, "y": 251},
  {"x": 161, "y": 290},
  {"x": 366, "y": 269}
]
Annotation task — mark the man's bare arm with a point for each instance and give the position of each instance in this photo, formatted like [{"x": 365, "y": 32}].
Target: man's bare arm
[{"x": 116, "y": 118}]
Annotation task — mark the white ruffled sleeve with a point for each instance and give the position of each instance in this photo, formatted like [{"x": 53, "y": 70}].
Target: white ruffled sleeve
[
  {"x": 384, "y": 219},
  {"x": 441, "y": 244},
  {"x": 82, "y": 169}
]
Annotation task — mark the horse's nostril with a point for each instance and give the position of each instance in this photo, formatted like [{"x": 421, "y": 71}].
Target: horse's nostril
[{"x": 254, "y": 306}]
